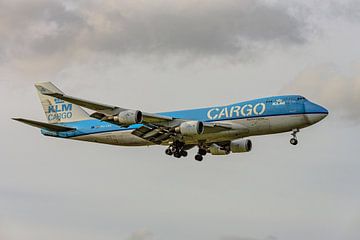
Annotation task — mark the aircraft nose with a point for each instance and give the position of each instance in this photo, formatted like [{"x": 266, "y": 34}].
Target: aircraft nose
[{"x": 315, "y": 112}]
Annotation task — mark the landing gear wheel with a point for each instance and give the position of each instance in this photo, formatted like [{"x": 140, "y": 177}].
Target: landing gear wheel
[
  {"x": 184, "y": 153},
  {"x": 177, "y": 155},
  {"x": 202, "y": 151},
  {"x": 294, "y": 141},
  {"x": 198, "y": 157},
  {"x": 168, "y": 152}
]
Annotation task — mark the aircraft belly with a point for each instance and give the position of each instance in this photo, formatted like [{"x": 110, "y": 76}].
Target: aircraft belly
[
  {"x": 287, "y": 123},
  {"x": 268, "y": 125},
  {"x": 256, "y": 126},
  {"x": 274, "y": 124},
  {"x": 215, "y": 137},
  {"x": 123, "y": 138}
]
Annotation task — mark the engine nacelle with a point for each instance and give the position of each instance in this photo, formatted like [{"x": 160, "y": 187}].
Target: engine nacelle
[
  {"x": 129, "y": 117},
  {"x": 239, "y": 146},
  {"x": 217, "y": 150},
  {"x": 190, "y": 128}
]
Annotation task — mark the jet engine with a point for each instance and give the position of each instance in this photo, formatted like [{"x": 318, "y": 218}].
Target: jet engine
[
  {"x": 239, "y": 146},
  {"x": 128, "y": 117},
  {"x": 190, "y": 128}
]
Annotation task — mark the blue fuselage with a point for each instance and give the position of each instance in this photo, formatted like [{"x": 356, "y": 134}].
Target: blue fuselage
[{"x": 269, "y": 115}]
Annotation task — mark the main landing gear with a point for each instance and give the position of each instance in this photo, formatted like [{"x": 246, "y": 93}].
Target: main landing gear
[
  {"x": 294, "y": 140},
  {"x": 200, "y": 155},
  {"x": 177, "y": 150}
]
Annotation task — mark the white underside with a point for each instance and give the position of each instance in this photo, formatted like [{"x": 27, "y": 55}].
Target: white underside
[{"x": 254, "y": 126}]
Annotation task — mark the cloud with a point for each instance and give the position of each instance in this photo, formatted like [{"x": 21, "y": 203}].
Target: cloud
[
  {"x": 212, "y": 29},
  {"x": 200, "y": 28},
  {"x": 349, "y": 9},
  {"x": 46, "y": 36},
  {"x": 324, "y": 84}
]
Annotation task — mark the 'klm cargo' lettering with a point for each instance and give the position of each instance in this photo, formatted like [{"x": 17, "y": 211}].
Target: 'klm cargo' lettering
[{"x": 60, "y": 111}]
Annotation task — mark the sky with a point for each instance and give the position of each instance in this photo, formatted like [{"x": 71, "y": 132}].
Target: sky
[{"x": 169, "y": 55}]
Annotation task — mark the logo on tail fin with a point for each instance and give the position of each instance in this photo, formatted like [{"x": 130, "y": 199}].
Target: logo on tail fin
[
  {"x": 57, "y": 101},
  {"x": 60, "y": 110}
]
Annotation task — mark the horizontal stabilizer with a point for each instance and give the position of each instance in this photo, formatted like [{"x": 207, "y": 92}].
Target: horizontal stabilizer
[{"x": 46, "y": 126}]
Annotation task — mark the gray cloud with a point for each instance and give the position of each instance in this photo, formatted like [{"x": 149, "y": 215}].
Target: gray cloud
[
  {"x": 349, "y": 9},
  {"x": 198, "y": 28},
  {"x": 210, "y": 29}
]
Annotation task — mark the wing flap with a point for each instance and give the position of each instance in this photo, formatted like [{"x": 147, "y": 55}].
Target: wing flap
[
  {"x": 152, "y": 134},
  {"x": 42, "y": 125}
]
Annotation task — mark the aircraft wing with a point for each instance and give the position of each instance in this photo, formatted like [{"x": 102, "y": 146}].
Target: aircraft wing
[
  {"x": 157, "y": 134},
  {"x": 102, "y": 110},
  {"x": 46, "y": 126}
]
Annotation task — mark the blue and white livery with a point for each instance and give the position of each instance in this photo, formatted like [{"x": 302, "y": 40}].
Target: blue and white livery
[{"x": 218, "y": 130}]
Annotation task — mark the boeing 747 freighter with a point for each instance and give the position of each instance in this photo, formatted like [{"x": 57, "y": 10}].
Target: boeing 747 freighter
[{"x": 218, "y": 130}]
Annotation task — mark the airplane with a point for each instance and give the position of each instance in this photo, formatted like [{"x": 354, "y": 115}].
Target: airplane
[{"x": 218, "y": 130}]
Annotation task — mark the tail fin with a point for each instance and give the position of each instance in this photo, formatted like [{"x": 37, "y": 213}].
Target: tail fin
[{"x": 57, "y": 110}]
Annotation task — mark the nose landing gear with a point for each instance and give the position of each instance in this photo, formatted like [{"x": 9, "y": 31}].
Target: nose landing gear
[{"x": 294, "y": 140}]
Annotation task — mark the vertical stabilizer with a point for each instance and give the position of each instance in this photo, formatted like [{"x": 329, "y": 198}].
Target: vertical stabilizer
[{"x": 57, "y": 110}]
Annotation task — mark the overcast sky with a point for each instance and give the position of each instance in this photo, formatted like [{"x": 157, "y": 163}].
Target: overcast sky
[{"x": 165, "y": 55}]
